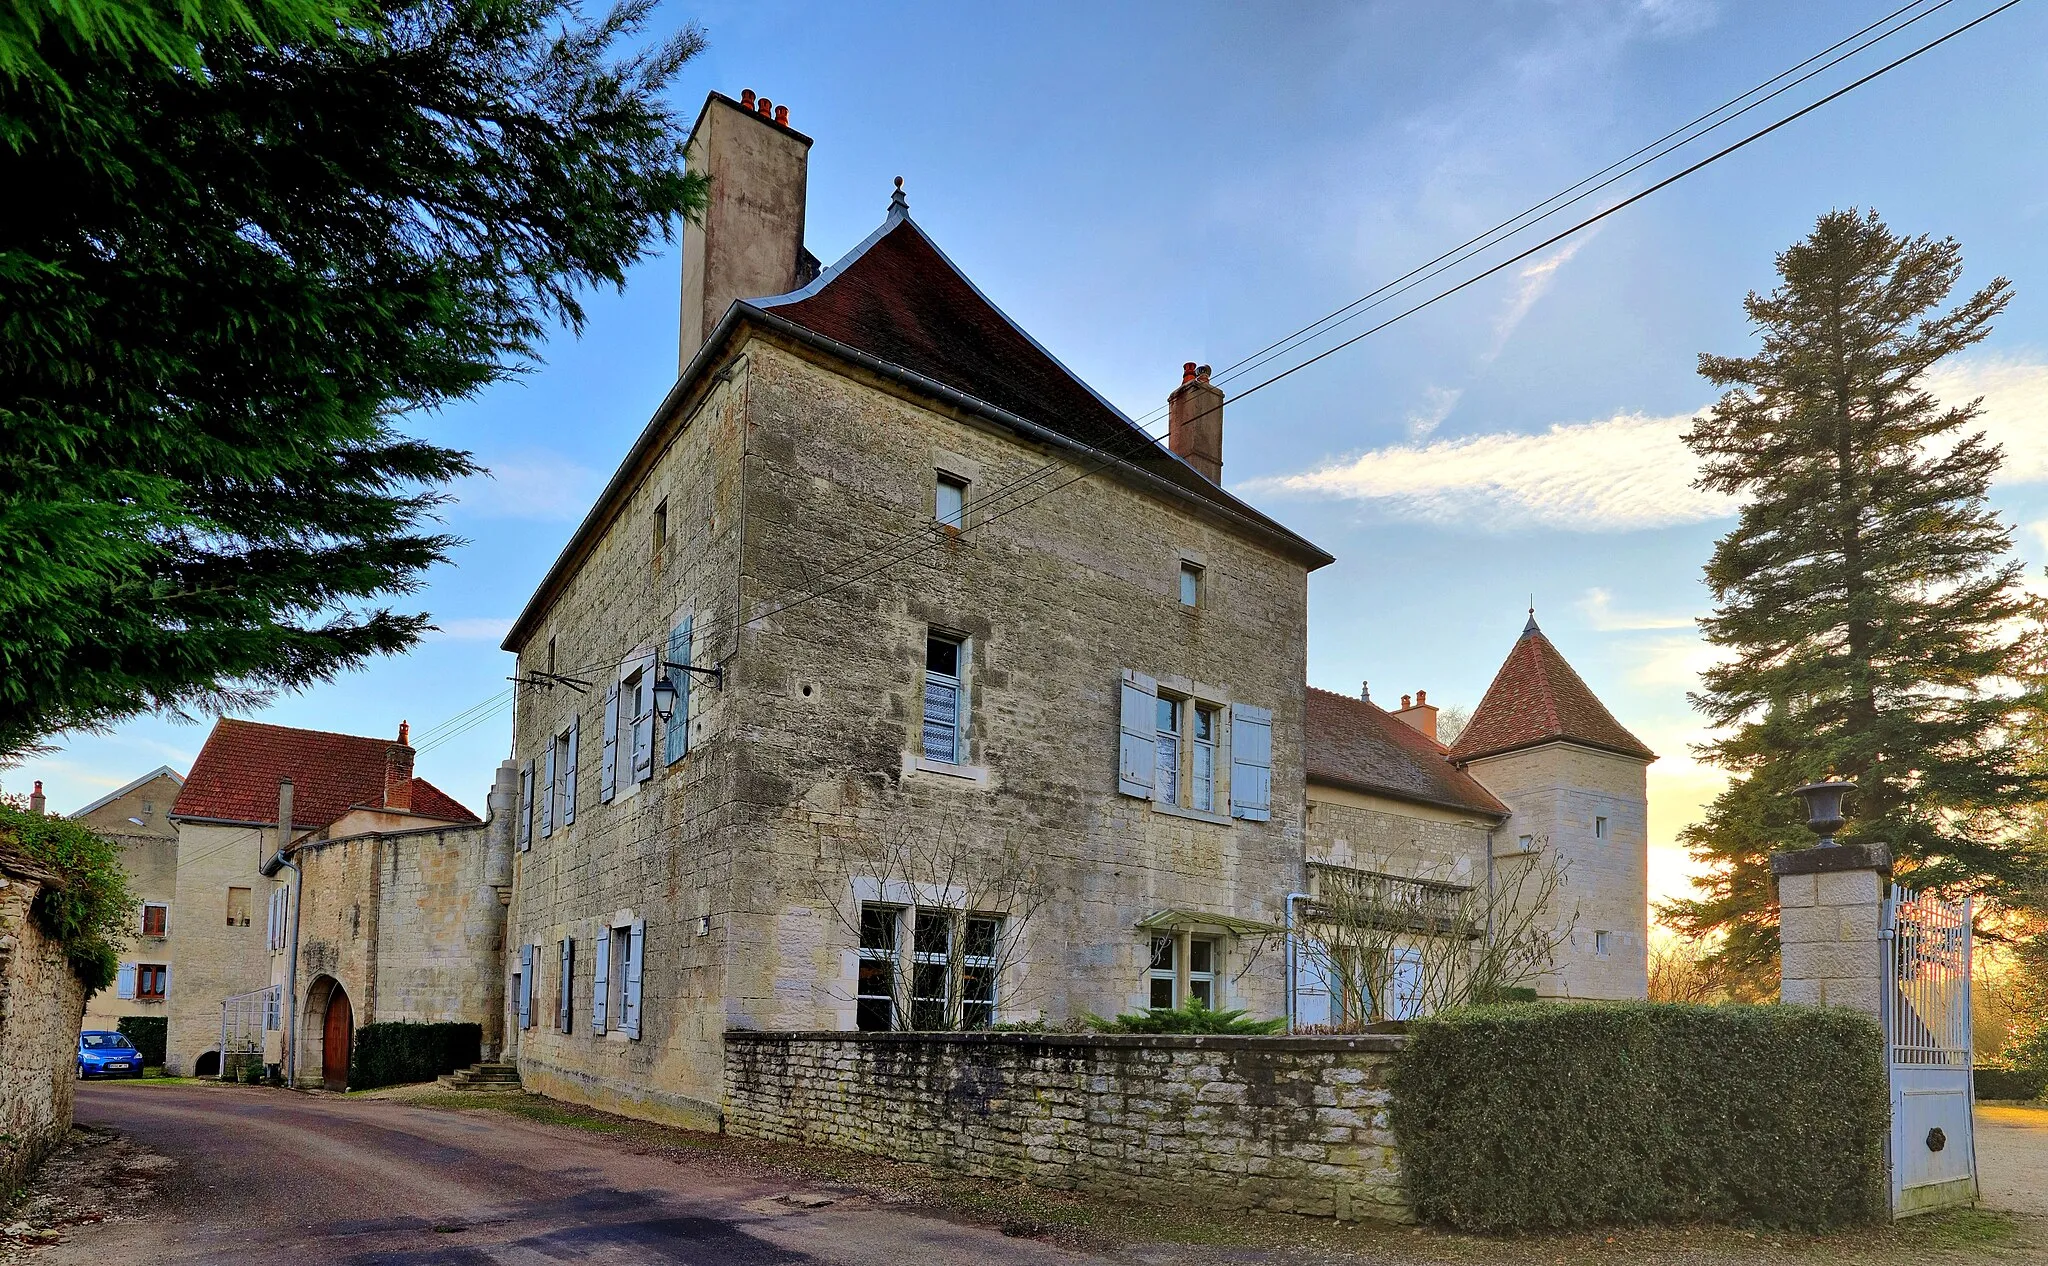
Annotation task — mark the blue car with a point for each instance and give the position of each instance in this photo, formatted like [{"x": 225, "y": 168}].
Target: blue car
[{"x": 104, "y": 1054}]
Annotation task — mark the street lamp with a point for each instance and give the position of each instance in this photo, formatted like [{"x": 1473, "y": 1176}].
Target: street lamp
[
  {"x": 665, "y": 685},
  {"x": 664, "y": 696},
  {"x": 1823, "y": 801}
]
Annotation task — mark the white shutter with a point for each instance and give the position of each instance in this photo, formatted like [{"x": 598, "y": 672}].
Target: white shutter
[
  {"x": 569, "y": 775},
  {"x": 526, "y": 986},
  {"x": 1251, "y": 762},
  {"x": 167, "y": 983},
  {"x": 636, "y": 941},
  {"x": 1311, "y": 985},
  {"x": 124, "y": 982},
  {"x": 608, "y": 760},
  {"x": 1137, "y": 736},
  {"x": 526, "y": 806},
  {"x": 600, "y": 978},
  {"x": 564, "y": 1008},
  {"x": 677, "y": 737},
  {"x": 547, "y": 791}
]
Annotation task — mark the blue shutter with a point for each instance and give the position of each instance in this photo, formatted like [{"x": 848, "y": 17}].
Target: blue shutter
[
  {"x": 1137, "y": 734},
  {"x": 608, "y": 762},
  {"x": 569, "y": 774},
  {"x": 565, "y": 1008},
  {"x": 526, "y": 806},
  {"x": 547, "y": 791},
  {"x": 643, "y": 722},
  {"x": 678, "y": 735},
  {"x": 636, "y": 941},
  {"x": 600, "y": 978},
  {"x": 124, "y": 982},
  {"x": 1312, "y": 1001},
  {"x": 1251, "y": 762},
  {"x": 526, "y": 986}
]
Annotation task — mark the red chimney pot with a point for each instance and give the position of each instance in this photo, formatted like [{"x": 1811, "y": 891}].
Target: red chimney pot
[
  {"x": 782, "y": 115},
  {"x": 767, "y": 108},
  {"x": 746, "y": 98},
  {"x": 404, "y": 732},
  {"x": 1421, "y": 697},
  {"x": 1187, "y": 373},
  {"x": 1407, "y": 702}
]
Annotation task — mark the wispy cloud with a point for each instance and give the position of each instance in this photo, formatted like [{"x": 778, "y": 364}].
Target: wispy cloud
[
  {"x": 1598, "y": 607},
  {"x": 531, "y": 485},
  {"x": 1437, "y": 403},
  {"x": 1531, "y": 284},
  {"x": 484, "y": 628},
  {"x": 1627, "y": 472}
]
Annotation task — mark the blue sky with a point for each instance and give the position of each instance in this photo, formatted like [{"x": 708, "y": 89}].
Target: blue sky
[{"x": 1141, "y": 185}]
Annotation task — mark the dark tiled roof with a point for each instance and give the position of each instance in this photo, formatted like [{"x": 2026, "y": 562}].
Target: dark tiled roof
[
  {"x": 235, "y": 778},
  {"x": 1537, "y": 698},
  {"x": 1357, "y": 744},
  {"x": 898, "y": 299}
]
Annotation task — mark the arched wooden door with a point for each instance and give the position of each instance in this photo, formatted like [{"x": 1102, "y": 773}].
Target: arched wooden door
[{"x": 334, "y": 1041}]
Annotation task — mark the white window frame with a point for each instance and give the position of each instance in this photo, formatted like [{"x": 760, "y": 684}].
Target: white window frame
[
  {"x": 1210, "y": 981},
  {"x": 1166, "y": 973},
  {"x": 890, "y": 916},
  {"x": 957, "y": 685},
  {"x": 1169, "y": 720},
  {"x": 1202, "y": 756},
  {"x": 1603, "y": 943}
]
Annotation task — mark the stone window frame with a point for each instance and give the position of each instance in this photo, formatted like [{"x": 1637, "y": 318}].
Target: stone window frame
[
  {"x": 904, "y": 954},
  {"x": 1176, "y": 971},
  {"x": 163, "y": 928},
  {"x": 957, "y": 682}
]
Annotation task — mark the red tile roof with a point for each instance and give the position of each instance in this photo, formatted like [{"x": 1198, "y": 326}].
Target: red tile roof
[
  {"x": 898, "y": 299},
  {"x": 235, "y": 778},
  {"x": 1537, "y": 698},
  {"x": 1357, "y": 744}
]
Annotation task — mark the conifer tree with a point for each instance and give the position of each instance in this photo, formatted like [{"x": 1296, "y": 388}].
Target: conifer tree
[{"x": 1872, "y": 617}]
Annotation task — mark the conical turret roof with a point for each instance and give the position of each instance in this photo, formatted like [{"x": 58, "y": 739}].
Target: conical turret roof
[{"x": 1536, "y": 698}]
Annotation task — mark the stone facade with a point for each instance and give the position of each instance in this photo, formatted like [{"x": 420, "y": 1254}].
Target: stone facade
[
  {"x": 1830, "y": 926},
  {"x": 810, "y": 750},
  {"x": 220, "y": 938},
  {"x": 41, "y": 1000},
  {"x": 1277, "y": 1124},
  {"x": 137, "y": 818}
]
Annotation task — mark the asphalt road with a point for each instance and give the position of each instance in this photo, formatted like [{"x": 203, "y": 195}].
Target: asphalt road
[{"x": 264, "y": 1176}]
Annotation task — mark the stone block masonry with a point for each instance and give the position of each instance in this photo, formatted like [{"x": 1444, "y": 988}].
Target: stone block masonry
[{"x": 1281, "y": 1125}]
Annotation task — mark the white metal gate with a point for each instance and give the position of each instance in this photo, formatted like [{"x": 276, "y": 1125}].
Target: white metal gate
[{"x": 1927, "y": 1039}]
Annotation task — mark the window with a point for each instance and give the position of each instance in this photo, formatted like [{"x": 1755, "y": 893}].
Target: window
[
  {"x": 949, "y": 501},
  {"x": 615, "y": 988},
  {"x": 1166, "y": 749},
  {"x": 238, "y": 907},
  {"x": 152, "y": 982},
  {"x": 875, "y": 992},
  {"x": 1165, "y": 983},
  {"x": 1202, "y": 972},
  {"x": 978, "y": 965},
  {"x": 156, "y": 918},
  {"x": 636, "y": 700},
  {"x": 1526, "y": 843},
  {"x": 944, "y": 699},
  {"x": 551, "y": 655},
  {"x": 148, "y": 810},
  {"x": 1203, "y": 782},
  {"x": 930, "y": 969},
  {"x": 1599, "y": 828},
  {"x": 1602, "y": 943},
  {"x": 954, "y": 960},
  {"x": 563, "y": 762},
  {"x": 658, "y": 546},
  {"x": 1190, "y": 585}
]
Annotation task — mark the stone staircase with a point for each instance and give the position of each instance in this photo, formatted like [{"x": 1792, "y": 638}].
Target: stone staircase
[{"x": 485, "y": 1076}]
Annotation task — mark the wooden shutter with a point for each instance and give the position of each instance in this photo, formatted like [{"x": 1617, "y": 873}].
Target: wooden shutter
[
  {"x": 677, "y": 737},
  {"x": 600, "y": 978},
  {"x": 1251, "y": 762},
  {"x": 636, "y": 941},
  {"x": 1312, "y": 1000},
  {"x": 569, "y": 774},
  {"x": 526, "y": 806},
  {"x": 124, "y": 982},
  {"x": 565, "y": 1010},
  {"x": 547, "y": 791},
  {"x": 1137, "y": 734},
  {"x": 643, "y": 724},
  {"x": 163, "y": 974},
  {"x": 526, "y": 986},
  {"x": 608, "y": 762}
]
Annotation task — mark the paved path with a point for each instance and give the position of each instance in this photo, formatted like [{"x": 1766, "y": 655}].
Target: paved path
[
  {"x": 268, "y": 1177},
  {"x": 2012, "y": 1158}
]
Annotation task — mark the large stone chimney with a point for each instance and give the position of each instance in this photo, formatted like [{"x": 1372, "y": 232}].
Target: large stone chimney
[
  {"x": 1418, "y": 713},
  {"x": 751, "y": 243},
  {"x": 1194, "y": 422},
  {"x": 398, "y": 771}
]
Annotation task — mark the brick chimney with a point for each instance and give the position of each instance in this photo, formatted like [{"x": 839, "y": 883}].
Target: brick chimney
[
  {"x": 36, "y": 802},
  {"x": 1419, "y": 713},
  {"x": 751, "y": 243},
  {"x": 1194, "y": 422},
  {"x": 398, "y": 772}
]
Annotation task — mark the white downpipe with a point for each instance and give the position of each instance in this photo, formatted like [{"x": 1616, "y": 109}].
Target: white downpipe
[{"x": 1291, "y": 957}]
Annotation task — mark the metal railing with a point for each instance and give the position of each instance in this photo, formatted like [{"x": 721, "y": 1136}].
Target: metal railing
[
  {"x": 1928, "y": 947},
  {"x": 244, "y": 1019}
]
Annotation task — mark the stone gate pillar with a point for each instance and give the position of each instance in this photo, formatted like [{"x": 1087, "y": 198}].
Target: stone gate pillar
[{"x": 1830, "y": 923}]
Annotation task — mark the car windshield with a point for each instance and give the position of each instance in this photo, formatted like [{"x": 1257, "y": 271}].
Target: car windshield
[{"x": 104, "y": 1042}]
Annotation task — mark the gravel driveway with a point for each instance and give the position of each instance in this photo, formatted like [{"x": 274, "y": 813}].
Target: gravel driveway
[{"x": 2012, "y": 1158}]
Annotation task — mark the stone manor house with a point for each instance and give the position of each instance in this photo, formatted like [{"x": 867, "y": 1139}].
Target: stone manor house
[{"x": 897, "y": 679}]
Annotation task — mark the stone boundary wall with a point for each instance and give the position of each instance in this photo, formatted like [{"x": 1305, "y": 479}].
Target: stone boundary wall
[
  {"x": 1281, "y": 1124},
  {"x": 41, "y": 1003}
]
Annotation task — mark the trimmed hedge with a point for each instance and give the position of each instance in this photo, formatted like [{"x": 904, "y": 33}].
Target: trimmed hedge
[
  {"x": 2011, "y": 1083},
  {"x": 400, "y": 1051},
  {"x": 1527, "y": 1117},
  {"x": 148, "y": 1033}
]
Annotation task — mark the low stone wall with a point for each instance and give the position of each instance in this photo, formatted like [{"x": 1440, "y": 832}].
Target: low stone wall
[
  {"x": 41, "y": 1002},
  {"x": 1286, "y": 1125}
]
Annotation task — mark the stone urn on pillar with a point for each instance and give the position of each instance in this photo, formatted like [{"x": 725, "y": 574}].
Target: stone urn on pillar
[{"x": 1830, "y": 911}]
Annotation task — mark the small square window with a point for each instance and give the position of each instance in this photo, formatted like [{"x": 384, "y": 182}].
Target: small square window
[
  {"x": 1190, "y": 585},
  {"x": 1599, "y": 828},
  {"x": 949, "y": 501},
  {"x": 238, "y": 907},
  {"x": 1602, "y": 943},
  {"x": 1526, "y": 843}
]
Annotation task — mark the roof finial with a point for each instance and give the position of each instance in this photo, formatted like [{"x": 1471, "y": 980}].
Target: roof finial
[
  {"x": 899, "y": 206},
  {"x": 1530, "y": 627}
]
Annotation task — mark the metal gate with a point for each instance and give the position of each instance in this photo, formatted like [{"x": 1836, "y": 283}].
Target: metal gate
[{"x": 1927, "y": 1038}]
